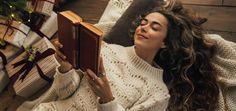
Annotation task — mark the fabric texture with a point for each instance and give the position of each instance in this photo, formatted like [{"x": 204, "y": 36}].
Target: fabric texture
[
  {"x": 224, "y": 64},
  {"x": 112, "y": 12},
  {"x": 136, "y": 85}
]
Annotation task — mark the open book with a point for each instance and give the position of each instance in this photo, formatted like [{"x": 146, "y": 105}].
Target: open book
[{"x": 81, "y": 41}]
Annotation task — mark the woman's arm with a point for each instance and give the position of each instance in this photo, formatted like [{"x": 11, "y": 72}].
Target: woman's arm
[{"x": 224, "y": 61}]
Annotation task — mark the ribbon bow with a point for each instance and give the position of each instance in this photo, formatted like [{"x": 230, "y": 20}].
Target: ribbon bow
[{"x": 29, "y": 63}]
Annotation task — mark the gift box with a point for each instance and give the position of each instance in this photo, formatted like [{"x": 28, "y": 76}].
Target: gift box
[
  {"x": 29, "y": 72},
  {"x": 41, "y": 28},
  {"x": 13, "y": 32},
  {"x": 7, "y": 54},
  {"x": 4, "y": 79},
  {"x": 50, "y": 26},
  {"x": 32, "y": 38},
  {"x": 41, "y": 6}
]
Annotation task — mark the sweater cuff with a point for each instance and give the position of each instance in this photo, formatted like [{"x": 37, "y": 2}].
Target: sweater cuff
[
  {"x": 110, "y": 106},
  {"x": 66, "y": 83},
  {"x": 64, "y": 74}
]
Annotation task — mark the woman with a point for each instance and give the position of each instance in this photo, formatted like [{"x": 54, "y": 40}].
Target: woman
[
  {"x": 132, "y": 81},
  {"x": 170, "y": 39}
]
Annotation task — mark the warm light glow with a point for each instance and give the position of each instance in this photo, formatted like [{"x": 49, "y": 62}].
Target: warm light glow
[{"x": 12, "y": 15}]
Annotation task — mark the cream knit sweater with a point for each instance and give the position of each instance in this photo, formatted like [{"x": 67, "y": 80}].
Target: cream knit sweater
[
  {"x": 135, "y": 84},
  {"x": 224, "y": 64}
]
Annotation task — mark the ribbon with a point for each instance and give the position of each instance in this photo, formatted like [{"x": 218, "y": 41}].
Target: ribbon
[
  {"x": 29, "y": 63},
  {"x": 9, "y": 27}
]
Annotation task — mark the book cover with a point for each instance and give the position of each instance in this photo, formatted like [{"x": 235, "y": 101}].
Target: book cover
[{"x": 81, "y": 41}]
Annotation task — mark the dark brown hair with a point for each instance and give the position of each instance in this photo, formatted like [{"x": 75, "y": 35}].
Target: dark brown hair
[{"x": 186, "y": 59}]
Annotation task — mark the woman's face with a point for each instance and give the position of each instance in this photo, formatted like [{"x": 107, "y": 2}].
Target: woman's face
[{"x": 151, "y": 32}]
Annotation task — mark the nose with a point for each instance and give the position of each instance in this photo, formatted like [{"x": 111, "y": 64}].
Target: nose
[{"x": 144, "y": 28}]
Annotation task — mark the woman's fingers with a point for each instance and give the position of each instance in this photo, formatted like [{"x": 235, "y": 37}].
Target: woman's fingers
[
  {"x": 93, "y": 77},
  {"x": 101, "y": 72},
  {"x": 61, "y": 55},
  {"x": 58, "y": 46},
  {"x": 101, "y": 66},
  {"x": 91, "y": 74}
]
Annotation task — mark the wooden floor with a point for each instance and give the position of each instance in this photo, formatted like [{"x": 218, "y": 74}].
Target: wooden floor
[
  {"x": 221, "y": 16},
  {"x": 89, "y": 10}
]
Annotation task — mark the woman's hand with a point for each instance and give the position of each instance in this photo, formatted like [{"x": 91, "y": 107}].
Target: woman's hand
[
  {"x": 65, "y": 66},
  {"x": 99, "y": 84}
]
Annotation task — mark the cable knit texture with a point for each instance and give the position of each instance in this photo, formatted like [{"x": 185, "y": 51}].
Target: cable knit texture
[
  {"x": 136, "y": 85},
  {"x": 224, "y": 64},
  {"x": 112, "y": 13}
]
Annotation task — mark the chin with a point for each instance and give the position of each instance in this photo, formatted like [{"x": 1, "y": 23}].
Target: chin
[{"x": 138, "y": 43}]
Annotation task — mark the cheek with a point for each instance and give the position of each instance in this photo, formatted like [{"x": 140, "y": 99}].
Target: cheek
[{"x": 158, "y": 39}]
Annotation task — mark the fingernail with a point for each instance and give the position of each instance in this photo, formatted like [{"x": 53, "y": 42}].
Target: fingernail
[
  {"x": 61, "y": 45},
  {"x": 64, "y": 57}
]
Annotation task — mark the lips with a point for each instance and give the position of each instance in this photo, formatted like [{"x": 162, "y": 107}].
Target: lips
[{"x": 142, "y": 36}]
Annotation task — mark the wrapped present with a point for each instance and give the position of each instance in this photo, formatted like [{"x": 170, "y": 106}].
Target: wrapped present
[
  {"x": 41, "y": 6},
  {"x": 4, "y": 79},
  {"x": 32, "y": 38},
  {"x": 42, "y": 27},
  {"x": 7, "y": 54},
  {"x": 32, "y": 69},
  {"x": 13, "y": 32},
  {"x": 50, "y": 27}
]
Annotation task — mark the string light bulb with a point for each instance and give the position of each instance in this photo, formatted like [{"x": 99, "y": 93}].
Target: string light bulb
[{"x": 12, "y": 15}]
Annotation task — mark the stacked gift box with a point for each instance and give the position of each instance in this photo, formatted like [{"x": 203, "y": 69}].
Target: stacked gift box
[
  {"x": 24, "y": 71},
  {"x": 16, "y": 37}
]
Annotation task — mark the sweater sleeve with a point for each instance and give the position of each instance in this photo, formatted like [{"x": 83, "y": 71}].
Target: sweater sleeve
[
  {"x": 66, "y": 83},
  {"x": 224, "y": 64},
  {"x": 224, "y": 61},
  {"x": 153, "y": 103}
]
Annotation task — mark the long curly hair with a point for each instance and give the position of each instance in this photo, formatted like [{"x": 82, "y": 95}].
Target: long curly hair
[{"x": 186, "y": 59}]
